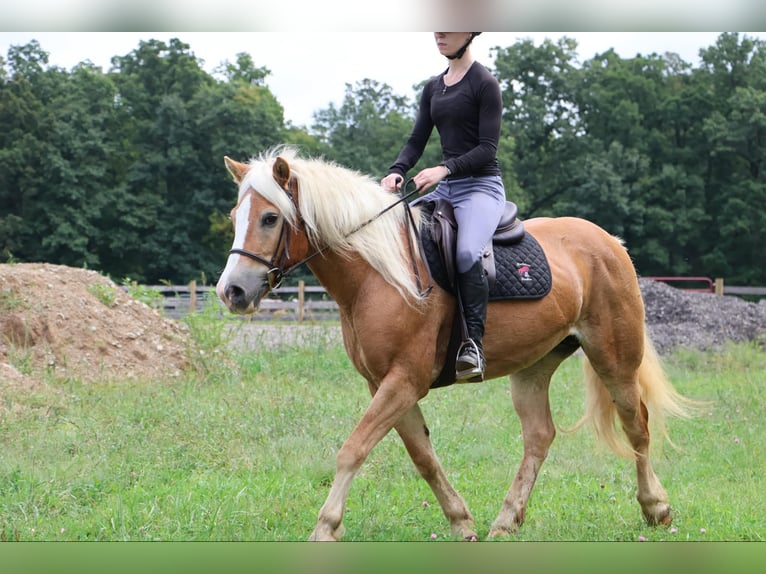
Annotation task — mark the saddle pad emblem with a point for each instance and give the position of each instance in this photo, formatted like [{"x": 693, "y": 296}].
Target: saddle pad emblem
[{"x": 523, "y": 271}]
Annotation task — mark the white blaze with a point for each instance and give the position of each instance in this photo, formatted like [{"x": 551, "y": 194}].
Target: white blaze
[
  {"x": 241, "y": 226},
  {"x": 242, "y": 223}
]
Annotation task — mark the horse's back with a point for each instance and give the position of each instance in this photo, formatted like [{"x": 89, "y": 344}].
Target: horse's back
[{"x": 580, "y": 250}]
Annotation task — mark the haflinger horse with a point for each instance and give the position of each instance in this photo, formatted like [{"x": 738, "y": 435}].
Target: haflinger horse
[{"x": 339, "y": 222}]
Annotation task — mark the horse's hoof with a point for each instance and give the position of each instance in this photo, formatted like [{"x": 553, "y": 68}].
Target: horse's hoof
[
  {"x": 465, "y": 532},
  {"x": 316, "y": 537},
  {"x": 500, "y": 532},
  {"x": 660, "y": 517},
  {"x": 666, "y": 520},
  {"x": 336, "y": 535}
]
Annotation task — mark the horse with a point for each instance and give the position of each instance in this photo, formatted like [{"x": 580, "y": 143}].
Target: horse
[{"x": 339, "y": 222}]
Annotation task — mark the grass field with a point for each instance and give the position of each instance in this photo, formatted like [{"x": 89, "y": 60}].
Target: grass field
[{"x": 244, "y": 449}]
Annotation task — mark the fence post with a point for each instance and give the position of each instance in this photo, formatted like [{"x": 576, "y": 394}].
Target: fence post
[
  {"x": 301, "y": 298},
  {"x": 719, "y": 286},
  {"x": 193, "y": 296}
]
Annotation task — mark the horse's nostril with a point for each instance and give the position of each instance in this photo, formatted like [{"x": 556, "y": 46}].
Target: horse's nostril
[{"x": 235, "y": 293}]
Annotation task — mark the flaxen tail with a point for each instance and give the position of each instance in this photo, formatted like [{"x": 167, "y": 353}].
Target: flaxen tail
[{"x": 657, "y": 393}]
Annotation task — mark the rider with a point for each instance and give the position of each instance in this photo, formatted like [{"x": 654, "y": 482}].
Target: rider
[{"x": 465, "y": 104}]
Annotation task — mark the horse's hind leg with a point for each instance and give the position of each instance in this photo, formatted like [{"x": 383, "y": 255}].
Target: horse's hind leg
[
  {"x": 415, "y": 435},
  {"x": 616, "y": 385},
  {"x": 530, "y": 399},
  {"x": 635, "y": 422}
]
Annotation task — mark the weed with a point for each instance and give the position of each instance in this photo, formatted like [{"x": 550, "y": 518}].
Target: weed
[
  {"x": 21, "y": 358},
  {"x": 151, "y": 297},
  {"x": 8, "y": 256},
  {"x": 211, "y": 335},
  {"x": 104, "y": 293},
  {"x": 10, "y": 301}
]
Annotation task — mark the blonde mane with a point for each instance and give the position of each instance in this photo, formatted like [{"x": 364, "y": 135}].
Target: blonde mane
[{"x": 334, "y": 202}]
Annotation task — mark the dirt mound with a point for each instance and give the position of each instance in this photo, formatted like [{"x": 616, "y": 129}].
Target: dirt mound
[{"x": 77, "y": 323}]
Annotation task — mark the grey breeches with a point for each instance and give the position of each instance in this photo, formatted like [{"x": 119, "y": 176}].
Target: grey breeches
[{"x": 478, "y": 203}]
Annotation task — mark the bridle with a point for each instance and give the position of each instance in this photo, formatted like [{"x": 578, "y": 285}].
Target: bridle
[{"x": 277, "y": 272}]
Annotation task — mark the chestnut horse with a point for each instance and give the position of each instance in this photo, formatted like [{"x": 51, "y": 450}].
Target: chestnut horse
[{"x": 293, "y": 210}]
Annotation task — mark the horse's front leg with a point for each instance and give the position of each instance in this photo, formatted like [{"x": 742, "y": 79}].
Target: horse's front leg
[
  {"x": 530, "y": 399},
  {"x": 416, "y": 437},
  {"x": 387, "y": 406}
]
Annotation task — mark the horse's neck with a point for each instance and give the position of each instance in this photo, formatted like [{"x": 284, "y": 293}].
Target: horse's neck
[{"x": 341, "y": 277}]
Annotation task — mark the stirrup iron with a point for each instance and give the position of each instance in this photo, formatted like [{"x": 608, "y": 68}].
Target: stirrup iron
[{"x": 468, "y": 370}]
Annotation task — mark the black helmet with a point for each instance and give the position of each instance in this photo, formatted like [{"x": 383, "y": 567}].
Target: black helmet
[{"x": 459, "y": 54}]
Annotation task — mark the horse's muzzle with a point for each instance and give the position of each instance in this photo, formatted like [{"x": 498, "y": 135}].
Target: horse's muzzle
[{"x": 242, "y": 296}]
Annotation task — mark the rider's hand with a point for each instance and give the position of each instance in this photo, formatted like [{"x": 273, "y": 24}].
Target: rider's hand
[
  {"x": 430, "y": 177},
  {"x": 392, "y": 182}
]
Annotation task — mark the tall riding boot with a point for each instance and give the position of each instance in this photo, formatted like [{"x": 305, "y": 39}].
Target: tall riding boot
[{"x": 474, "y": 295}]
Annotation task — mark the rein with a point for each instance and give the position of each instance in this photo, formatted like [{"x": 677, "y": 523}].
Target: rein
[{"x": 276, "y": 274}]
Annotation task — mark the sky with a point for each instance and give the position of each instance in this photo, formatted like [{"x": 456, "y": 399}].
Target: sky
[{"x": 310, "y": 70}]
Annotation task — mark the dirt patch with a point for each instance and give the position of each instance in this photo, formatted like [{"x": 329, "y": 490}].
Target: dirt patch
[{"x": 75, "y": 323}]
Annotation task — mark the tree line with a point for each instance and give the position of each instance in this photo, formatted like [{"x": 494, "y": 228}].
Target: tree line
[{"x": 121, "y": 170}]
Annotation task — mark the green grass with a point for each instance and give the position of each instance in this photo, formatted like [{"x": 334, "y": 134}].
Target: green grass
[{"x": 244, "y": 450}]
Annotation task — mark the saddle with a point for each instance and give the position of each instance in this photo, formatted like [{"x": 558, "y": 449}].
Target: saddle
[{"x": 510, "y": 230}]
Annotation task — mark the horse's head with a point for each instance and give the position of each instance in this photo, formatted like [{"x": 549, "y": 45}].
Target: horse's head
[
  {"x": 291, "y": 209},
  {"x": 262, "y": 233}
]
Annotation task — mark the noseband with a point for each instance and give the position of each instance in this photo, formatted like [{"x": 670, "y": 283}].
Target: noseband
[{"x": 276, "y": 273}]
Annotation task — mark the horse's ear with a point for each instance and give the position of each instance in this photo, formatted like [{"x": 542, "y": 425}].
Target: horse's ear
[
  {"x": 281, "y": 171},
  {"x": 237, "y": 170}
]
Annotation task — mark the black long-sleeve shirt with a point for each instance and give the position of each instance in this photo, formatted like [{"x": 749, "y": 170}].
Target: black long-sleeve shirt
[{"x": 467, "y": 116}]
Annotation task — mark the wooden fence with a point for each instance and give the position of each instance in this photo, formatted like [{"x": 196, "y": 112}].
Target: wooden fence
[
  {"x": 304, "y": 302},
  {"x": 312, "y": 303},
  {"x": 708, "y": 285}
]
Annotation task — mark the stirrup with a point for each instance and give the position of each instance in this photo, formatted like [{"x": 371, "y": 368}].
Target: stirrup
[{"x": 469, "y": 365}]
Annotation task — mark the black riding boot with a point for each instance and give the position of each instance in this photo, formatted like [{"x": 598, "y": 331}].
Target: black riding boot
[{"x": 474, "y": 294}]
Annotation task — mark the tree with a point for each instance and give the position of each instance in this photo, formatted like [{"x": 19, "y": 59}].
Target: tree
[
  {"x": 243, "y": 71},
  {"x": 627, "y": 106},
  {"x": 540, "y": 122},
  {"x": 157, "y": 216},
  {"x": 21, "y": 151},
  {"x": 55, "y": 159},
  {"x": 733, "y": 144},
  {"x": 78, "y": 170}
]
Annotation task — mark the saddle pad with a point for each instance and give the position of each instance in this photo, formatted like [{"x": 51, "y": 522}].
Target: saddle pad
[{"x": 521, "y": 269}]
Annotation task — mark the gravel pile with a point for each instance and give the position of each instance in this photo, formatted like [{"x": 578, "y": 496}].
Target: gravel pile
[{"x": 678, "y": 318}]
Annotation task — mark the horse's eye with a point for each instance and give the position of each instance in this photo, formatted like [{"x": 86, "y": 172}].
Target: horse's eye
[{"x": 269, "y": 219}]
